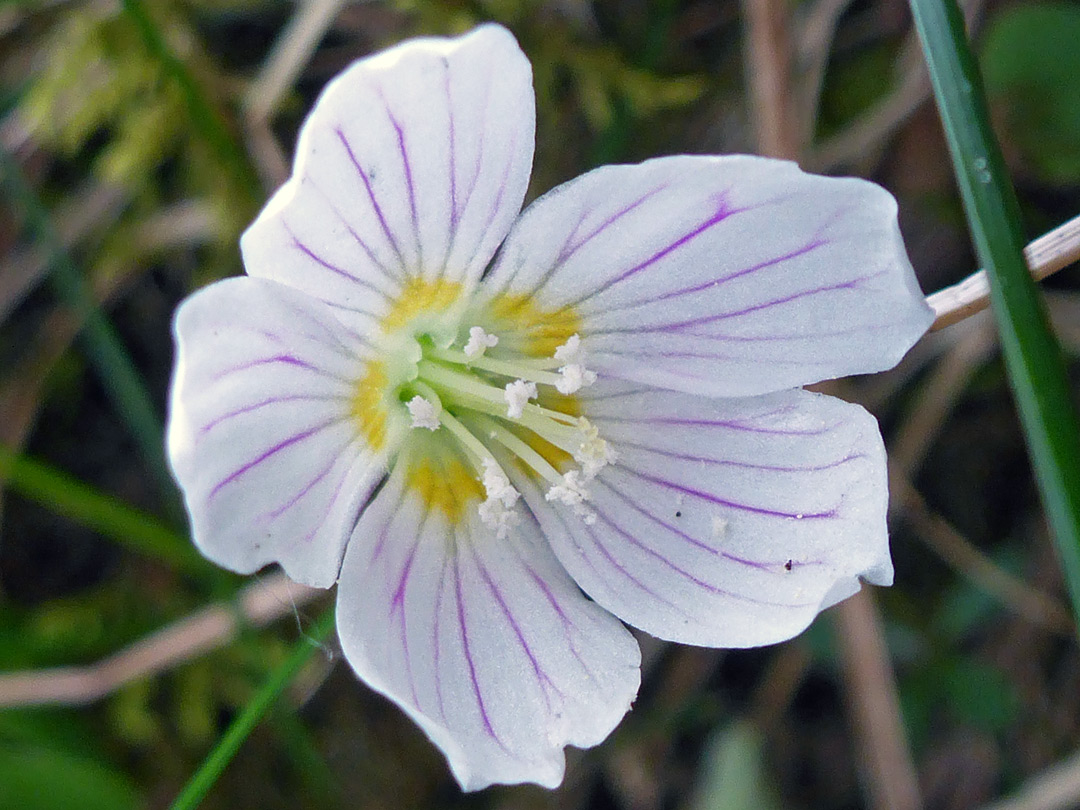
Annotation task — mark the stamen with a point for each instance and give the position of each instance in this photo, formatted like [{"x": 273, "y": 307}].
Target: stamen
[
  {"x": 497, "y": 485},
  {"x": 519, "y": 368},
  {"x": 468, "y": 390},
  {"x": 569, "y": 352},
  {"x": 573, "y": 377},
  {"x": 497, "y": 511},
  {"x": 517, "y": 394},
  {"x": 479, "y": 342},
  {"x": 424, "y": 413},
  {"x": 594, "y": 453},
  {"x": 493, "y": 513},
  {"x": 515, "y": 445},
  {"x": 572, "y": 493}
]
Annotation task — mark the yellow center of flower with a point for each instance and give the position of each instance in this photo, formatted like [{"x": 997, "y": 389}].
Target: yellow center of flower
[
  {"x": 446, "y": 484},
  {"x": 460, "y": 390}
]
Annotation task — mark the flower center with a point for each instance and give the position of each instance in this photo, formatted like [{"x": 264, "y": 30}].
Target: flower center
[{"x": 465, "y": 392}]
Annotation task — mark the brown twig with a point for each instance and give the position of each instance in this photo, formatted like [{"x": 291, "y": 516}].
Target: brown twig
[
  {"x": 768, "y": 74},
  {"x": 870, "y": 130},
  {"x": 911, "y": 443},
  {"x": 1024, "y": 600},
  {"x": 892, "y": 783},
  {"x": 1057, "y": 788},
  {"x": 973, "y": 344},
  {"x": 214, "y": 626},
  {"x": 879, "y": 729},
  {"x": 875, "y": 125},
  {"x": 815, "y": 38},
  {"x": 1045, "y": 256},
  {"x": 292, "y": 51}
]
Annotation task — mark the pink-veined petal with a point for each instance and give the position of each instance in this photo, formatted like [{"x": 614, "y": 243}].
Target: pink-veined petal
[
  {"x": 726, "y": 523},
  {"x": 413, "y": 163},
  {"x": 725, "y": 276},
  {"x": 260, "y": 435},
  {"x": 486, "y": 643}
]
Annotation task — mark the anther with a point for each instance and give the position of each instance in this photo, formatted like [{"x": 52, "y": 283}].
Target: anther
[
  {"x": 574, "y": 377},
  {"x": 569, "y": 352},
  {"x": 423, "y": 412},
  {"x": 479, "y": 342},
  {"x": 594, "y": 453},
  {"x": 517, "y": 395},
  {"x": 497, "y": 511},
  {"x": 572, "y": 493}
]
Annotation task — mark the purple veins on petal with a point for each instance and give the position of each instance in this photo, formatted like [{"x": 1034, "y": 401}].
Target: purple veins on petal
[
  {"x": 591, "y": 531},
  {"x": 384, "y": 533},
  {"x": 732, "y": 424},
  {"x": 745, "y": 465},
  {"x": 407, "y": 167},
  {"x": 329, "y": 506},
  {"x": 436, "y": 636},
  {"x": 567, "y": 622},
  {"x": 371, "y": 196},
  {"x": 541, "y": 675},
  {"x": 258, "y": 406},
  {"x": 469, "y": 659},
  {"x": 571, "y": 247},
  {"x": 352, "y": 232},
  {"x": 717, "y": 282},
  {"x": 399, "y": 592},
  {"x": 718, "y": 337},
  {"x": 319, "y": 260},
  {"x": 277, "y": 359},
  {"x": 757, "y": 564},
  {"x": 843, "y": 285},
  {"x": 455, "y": 214},
  {"x": 277, "y": 448},
  {"x": 722, "y": 213},
  {"x": 504, "y": 181},
  {"x": 741, "y": 507},
  {"x": 478, "y": 161},
  {"x": 335, "y": 457},
  {"x": 325, "y": 334},
  {"x": 399, "y": 611},
  {"x": 683, "y": 572}
]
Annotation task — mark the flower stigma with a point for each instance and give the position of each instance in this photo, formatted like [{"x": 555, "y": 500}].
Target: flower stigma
[{"x": 478, "y": 388}]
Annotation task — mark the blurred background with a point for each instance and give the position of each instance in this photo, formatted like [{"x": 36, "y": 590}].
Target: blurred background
[{"x": 139, "y": 138}]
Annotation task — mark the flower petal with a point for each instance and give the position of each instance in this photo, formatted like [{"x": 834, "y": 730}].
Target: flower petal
[
  {"x": 487, "y": 644},
  {"x": 260, "y": 436},
  {"x": 725, "y": 276},
  {"x": 414, "y": 162},
  {"x": 726, "y": 523}
]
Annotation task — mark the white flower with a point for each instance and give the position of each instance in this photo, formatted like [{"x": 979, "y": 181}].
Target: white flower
[{"x": 701, "y": 292}]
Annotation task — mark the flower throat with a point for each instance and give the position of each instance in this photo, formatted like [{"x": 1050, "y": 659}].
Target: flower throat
[{"x": 472, "y": 393}]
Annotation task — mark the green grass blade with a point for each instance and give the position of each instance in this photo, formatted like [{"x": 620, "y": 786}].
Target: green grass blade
[
  {"x": 88, "y": 507},
  {"x": 1033, "y": 358},
  {"x": 118, "y": 374},
  {"x": 214, "y": 764}
]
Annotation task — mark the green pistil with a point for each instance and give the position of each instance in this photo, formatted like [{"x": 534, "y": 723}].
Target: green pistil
[
  {"x": 454, "y": 383},
  {"x": 448, "y": 379},
  {"x": 474, "y": 448},
  {"x": 531, "y": 370},
  {"x": 520, "y": 449},
  {"x": 468, "y": 390}
]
